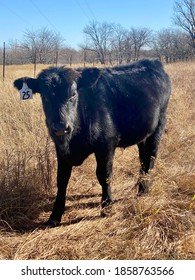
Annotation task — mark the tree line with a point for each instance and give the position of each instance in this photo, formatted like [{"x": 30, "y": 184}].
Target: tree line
[{"x": 110, "y": 43}]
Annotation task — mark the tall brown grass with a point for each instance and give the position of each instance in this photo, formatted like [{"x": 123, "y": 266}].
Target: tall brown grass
[{"x": 160, "y": 225}]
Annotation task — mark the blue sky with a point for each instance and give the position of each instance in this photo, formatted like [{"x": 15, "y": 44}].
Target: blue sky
[{"x": 69, "y": 17}]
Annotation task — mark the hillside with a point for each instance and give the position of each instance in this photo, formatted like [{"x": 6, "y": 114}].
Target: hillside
[{"x": 159, "y": 225}]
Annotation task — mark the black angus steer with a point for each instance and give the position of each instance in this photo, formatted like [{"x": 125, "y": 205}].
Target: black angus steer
[{"x": 96, "y": 110}]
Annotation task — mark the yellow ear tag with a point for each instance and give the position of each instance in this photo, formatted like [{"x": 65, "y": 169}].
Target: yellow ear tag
[{"x": 25, "y": 92}]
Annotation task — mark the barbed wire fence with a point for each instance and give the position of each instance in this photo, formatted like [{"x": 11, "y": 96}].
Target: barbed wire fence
[
  {"x": 9, "y": 56},
  {"x": 5, "y": 57}
]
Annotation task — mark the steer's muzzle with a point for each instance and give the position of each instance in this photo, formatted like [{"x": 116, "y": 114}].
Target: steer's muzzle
[{"x": 61, "y": 130}]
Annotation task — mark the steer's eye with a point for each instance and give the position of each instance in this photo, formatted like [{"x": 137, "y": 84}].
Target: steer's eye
[{"x": 73, "y": 91}]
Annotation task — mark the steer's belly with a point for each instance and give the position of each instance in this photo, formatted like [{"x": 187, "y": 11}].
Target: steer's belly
[{"x": 134, "y": 135}]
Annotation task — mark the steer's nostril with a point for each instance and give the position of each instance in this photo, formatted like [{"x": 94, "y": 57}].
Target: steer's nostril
[
  {"x": 67, "y": 129},
  {"x": 63, "y": 131}
]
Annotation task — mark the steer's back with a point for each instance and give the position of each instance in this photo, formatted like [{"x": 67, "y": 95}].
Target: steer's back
[{"x": 128, "y": 101}]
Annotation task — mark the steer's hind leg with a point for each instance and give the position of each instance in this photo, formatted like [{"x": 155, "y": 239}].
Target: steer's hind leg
[
  {"x": 147, "y": 161},
  {"x": 148, "y": 150},
  {"x": 104, "y": 158}
]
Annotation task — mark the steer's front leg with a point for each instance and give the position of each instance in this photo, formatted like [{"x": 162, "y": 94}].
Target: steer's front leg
[
  {"x": 104, "y": 157},
  {"x": 63, "y": 175}
]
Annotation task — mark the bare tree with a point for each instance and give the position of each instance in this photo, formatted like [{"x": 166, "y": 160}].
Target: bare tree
[
  {"x": 41, "y": 45},
  {"x": 172, "y": 45},
  {"x": 128, "y": 46},
  {"x": 140, "y": 37},
  {"x": 118, "y": 43},
  {"x": 98, "y": 38},
  {"x": 112, "y": 40},
  {"x": 184, "y": 17},
  {"x": 15, "y": 54}
]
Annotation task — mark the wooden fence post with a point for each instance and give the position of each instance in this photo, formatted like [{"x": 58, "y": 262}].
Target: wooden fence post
[{"x": 3, "y": 61}]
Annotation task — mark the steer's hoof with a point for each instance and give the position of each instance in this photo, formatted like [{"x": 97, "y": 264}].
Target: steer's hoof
[
  {"x": 142, "y": 187},
  {"x": 51, "y": 223},
  {"x": 106, "y": 209}
]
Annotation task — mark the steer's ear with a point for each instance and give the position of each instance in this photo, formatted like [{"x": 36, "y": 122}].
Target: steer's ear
[
  {"x": 26, "y": 86},
  {"x": 30, "y": 83},
  {"x": 89, "y": 77}
]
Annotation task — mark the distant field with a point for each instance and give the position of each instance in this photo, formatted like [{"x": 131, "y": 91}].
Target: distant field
[{"x": 160, "y": 225}]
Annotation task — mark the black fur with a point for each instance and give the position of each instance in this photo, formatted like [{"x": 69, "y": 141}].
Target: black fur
[{"x": 109, "y": 108}]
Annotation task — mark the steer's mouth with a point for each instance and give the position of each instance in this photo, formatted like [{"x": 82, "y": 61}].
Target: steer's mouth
[
  {"x": 60, "y": 133},
  {"x": 62, "y": 143}
]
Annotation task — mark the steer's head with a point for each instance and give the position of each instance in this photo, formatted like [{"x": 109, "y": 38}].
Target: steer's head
[{"x": 58, "y": 90}]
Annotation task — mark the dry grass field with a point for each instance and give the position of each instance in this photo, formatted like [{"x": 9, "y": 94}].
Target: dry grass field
[{"x": 159, "y": 225}]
